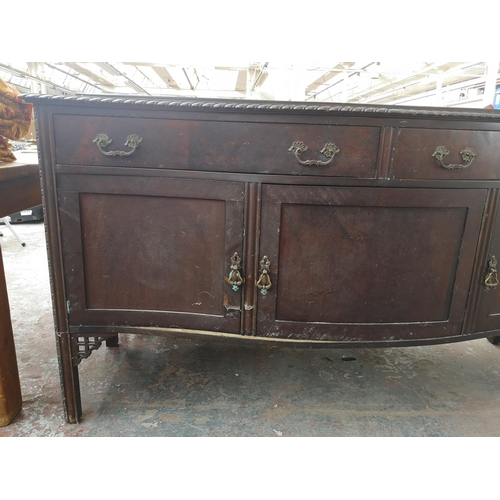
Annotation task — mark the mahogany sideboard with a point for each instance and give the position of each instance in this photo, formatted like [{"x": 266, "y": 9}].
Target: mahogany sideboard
[{"x": 307, "y": 224}]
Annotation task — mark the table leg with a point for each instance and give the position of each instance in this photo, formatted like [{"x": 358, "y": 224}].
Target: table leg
[{"x": 10, "y": 387}]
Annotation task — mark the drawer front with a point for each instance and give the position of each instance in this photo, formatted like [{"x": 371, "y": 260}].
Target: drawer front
[
  {"x": 415, "y": 149},
  {"x": 217, "y": 146}
]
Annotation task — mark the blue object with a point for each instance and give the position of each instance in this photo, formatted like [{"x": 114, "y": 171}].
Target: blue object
[{"x": 496, "y": 100}]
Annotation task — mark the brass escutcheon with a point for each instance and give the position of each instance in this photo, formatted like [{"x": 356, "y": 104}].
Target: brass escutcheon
[
  {"x": 264, "y": 281},
  {"x": 235, "y": 279},
  {"x": 491, "y": 280}
]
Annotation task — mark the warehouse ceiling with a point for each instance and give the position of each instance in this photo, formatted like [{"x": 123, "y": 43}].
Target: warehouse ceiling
[{"x": 460, "y": 84}]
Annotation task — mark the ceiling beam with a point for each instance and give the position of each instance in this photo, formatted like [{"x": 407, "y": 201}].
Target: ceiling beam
[
  {"x": 164, "y": 74},
  {"x": 371, "y": 94},
  {"x": 400, "y": 98},
  {"x": 337, "y": 70},
  {"x": 258, "y": 75},
  {"x": 91, "y": 74},
  {"x": 146, "y": 77},
  {"x": 342, "y": 78},
  {"x": 241, "y": 81},
  {"x": 45, "y": 81},
  {"x": 341, "y": 82},
  {"x": 131, "y": 83},
  {"x": 108, "y": 69},
  {"x": 160, "y": 70},
  {"x": 428, "y": 87},
  {"x": 86, "y": 82},
  {"x": 191, "y": 86}
]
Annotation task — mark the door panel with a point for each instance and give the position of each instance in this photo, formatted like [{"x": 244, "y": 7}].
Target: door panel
[
  {"x": 377, "y": 259},
  {"x": 156, "y": 253},
  {"x": 151, "y": 251},
  {"x": 367, "y": 263}
]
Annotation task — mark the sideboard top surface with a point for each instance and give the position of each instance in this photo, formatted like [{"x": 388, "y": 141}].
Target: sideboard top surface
[{"x": 241, "y": 105}]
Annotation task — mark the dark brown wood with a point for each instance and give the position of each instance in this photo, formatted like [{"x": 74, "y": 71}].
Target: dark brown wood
[
  {"x": 488, "y": 309},
  {"x": 385, "y": 156},
  {"x": 475, "y": 310},
  {"x": 279, "y": 179},
  {"x": 217, "y": 145},
  {"x": 167, "y": 242},
  {"x": 415, "y": 148},
  {"x": 20, "y": 188},
  {"x": 369, "y": 264},
  {"x": 252, "y": 230},
  {"x": 276, "y": 341},
  {"x": 112, "y": 341},
  {"x": 68, "y": 372},
  {"x": 381, "y": 247}
]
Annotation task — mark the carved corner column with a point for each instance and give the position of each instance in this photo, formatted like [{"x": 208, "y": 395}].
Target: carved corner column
[{"x": 68, "y": 371}]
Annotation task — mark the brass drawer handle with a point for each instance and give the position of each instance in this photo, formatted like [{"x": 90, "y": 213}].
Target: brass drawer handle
[
  {"x": 467, "y": 156},
  {"x": 264, "y": 281},
  {"x": 491, "y": 280},
  {"x": 102, "y": 140},
  {"x": 329, "y": 150},
  {"x": 235, "y": 279}
]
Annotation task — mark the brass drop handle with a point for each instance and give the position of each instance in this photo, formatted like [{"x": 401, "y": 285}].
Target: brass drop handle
[
  {"x": 329, "y": 150},
  {"x": 102, "y": 140},
  {"x": 467, "y": 156},
  {"x": 264, "y": 281},
  {"x": 491, "y": 280},
  {"x": 235, "y": 279}
]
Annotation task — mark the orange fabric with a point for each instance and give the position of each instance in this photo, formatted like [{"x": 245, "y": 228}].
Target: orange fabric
[
  {"x": 5, "y": 152},
  {"x": 15, "y": 119}
]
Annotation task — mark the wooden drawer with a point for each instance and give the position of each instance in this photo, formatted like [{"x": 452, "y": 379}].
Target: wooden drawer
[
  {"x": 415, "y": 149},
  {"x": 217, "y": 145}
]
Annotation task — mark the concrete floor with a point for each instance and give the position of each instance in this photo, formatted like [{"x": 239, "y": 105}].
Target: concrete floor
[{"x": 152, "y": 386}]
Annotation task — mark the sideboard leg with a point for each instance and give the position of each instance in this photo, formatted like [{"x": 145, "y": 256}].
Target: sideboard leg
[
  {"x": 494, "y": 339},
  {"x": 112, "y": 341},
  {"x": 70, "y": 381},
  {"x": 74, "y": 411}
]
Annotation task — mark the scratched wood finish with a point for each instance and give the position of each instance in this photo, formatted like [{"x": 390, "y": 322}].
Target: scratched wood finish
[
  {"x": 68, "y": 371},
  {"x": 153, "y": 252},
  {"x": 367, "y": 264},
  {"x": 488, "y": 310},
  {"x": 217, "y": 145},
  {"x": 383, "y": 211},
  {"x": 414, "y": 158}
]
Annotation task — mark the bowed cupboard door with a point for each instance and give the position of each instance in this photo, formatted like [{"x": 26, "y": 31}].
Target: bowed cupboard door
[
  {"x": 366, "y": 264},
  {"x": 488, "y": 310}
]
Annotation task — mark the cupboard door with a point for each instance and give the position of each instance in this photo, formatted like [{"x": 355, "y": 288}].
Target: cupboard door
[
  {"x": 367, "y": 264},
  {"x": 488, "y": 310},
  {"x": 151, "y": 251}
]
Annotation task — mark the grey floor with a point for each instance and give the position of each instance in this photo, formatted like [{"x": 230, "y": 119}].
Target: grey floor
[{"x": 152, "y": 386}]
